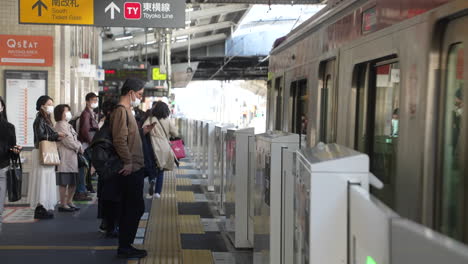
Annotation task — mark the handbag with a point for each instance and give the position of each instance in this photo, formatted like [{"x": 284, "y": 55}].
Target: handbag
[
  {"x": 48, "y": 153},
  {"x": 14, "y": 179},
  {"x": 177, "y": 146}
]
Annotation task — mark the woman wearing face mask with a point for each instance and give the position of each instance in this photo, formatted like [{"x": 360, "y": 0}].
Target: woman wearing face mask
[
  {"x": 68, "y": 148},
  {"x": 8, "y": 150},
  {"x": 42, "y": 192}
]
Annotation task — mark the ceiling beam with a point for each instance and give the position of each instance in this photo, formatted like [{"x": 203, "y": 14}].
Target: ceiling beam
[
  {"x": 216, "y": 11},
  {"x": 176, "y": 47},
  {"x": 140, "y": 38}
]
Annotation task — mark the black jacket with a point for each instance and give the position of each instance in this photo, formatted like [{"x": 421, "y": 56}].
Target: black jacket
[
  {"x": 43, "y": 131},
  {"x": 7, "y": 141}
]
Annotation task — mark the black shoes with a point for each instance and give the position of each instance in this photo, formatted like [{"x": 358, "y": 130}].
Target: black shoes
[
  {"x": 74, "y": 207},
  {"x": 42, "y": 213},
  {"x": 131, "y": 253},
  {"x": 66, "y": 210}
]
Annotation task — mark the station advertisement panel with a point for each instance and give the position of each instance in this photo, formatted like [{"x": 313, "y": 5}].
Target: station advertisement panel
[{"x": 16, "y": 50}]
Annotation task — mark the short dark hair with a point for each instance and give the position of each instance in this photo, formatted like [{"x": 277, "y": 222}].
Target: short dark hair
[
  {"x": 132, "y": 84},
  {"x": 161, "y": 110},
  {"x": 58, "y": 111},
  {"x": 90, "y": 96},
  {"x": 3, "y": 114}
]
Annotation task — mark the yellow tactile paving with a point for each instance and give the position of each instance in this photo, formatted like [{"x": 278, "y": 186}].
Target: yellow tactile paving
[
  {"x": 184, "y": 182},
  {"x": 190, "y": 224},
  {"x": 185, "y": 197},
  {"x": 197, "y": 257},
  {"x": 162, "y": 239}
]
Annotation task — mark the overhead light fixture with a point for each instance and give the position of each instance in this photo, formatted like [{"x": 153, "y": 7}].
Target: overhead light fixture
[
  {"x": 123, "y": 38},
  {"x": 188, "y": 22},
  {"x": 182, "y": 37},
  {"x": 189, "y": 10},
  {"x": 181, "y": 40},
  {"x": 151, "y": 42}
]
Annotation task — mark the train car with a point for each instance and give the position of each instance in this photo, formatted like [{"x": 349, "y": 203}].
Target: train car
[{"x": 385, "y": 77}]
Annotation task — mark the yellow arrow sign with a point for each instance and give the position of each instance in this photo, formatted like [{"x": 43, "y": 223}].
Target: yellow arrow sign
[
  {"x": 66, "y": 12},
  {"x": 157, "y": 76}
]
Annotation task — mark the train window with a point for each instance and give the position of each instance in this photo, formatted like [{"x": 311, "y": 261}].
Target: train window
[
  {"x": 377, "y": 126},
  {"x": 278, "y": 94},
  {"x": 328, "y": 99},
  {"x": 454, "y": 189},
  {"x": 298, "y": 97}
]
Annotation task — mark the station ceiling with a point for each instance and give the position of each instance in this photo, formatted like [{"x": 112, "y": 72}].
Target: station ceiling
[{"x": 209, "y": 24}]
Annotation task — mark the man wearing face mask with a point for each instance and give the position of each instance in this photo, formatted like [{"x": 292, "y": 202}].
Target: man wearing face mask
[
  {"x": 128, "y": 145},
  {"x": 88, "y": 127}
]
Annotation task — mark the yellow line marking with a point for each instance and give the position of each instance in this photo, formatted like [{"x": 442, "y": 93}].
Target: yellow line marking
[
  {"x": 197, "y": 257},
  {"x": 190, "y": 224},
  {"x": 185, "y": 197},
  {"x": 57, "y": 248},
  {"x": 184, "y": 182}
]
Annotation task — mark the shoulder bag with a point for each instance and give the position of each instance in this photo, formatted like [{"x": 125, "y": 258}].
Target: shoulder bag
[{"x": 14, "y": 177}]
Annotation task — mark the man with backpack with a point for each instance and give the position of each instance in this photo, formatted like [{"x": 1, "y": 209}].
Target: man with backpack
[{"x": 87, "y": 128}]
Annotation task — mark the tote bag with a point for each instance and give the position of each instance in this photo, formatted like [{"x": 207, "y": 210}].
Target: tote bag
[{"x": 48, "y": 153}]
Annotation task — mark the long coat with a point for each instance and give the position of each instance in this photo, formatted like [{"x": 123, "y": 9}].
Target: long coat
[
  {"x": 160, "y": 135},
  {"x": 68, "y": 148}
]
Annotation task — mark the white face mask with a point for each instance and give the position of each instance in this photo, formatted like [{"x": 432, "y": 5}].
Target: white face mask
[
  {"x": 94, "y": 105},
  {"x": 68, "y": 116},
  {"x": 50, "y": 109},
  {"x": 137, "y": 102},
  {"x": 133, "y": 112}
]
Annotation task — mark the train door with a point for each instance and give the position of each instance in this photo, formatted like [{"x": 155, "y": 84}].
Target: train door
[
  {"x": 298, "y": 107},
  {"x": 328, "y": 102},
  {"x": 452, "y": 174},
  {"x": 377, "y": 126},
  {"x": 278, "y": 97}
]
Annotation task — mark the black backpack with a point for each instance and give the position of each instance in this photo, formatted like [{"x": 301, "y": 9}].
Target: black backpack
[{"x": 102, "y": 153}]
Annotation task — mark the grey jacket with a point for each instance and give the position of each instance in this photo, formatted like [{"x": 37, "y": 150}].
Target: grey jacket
[{"x": 68, "y": 148}]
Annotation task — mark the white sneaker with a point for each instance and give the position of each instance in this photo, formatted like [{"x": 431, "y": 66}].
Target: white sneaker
[
  {"x": 148, "y": 196},
  {"x": 157, "y": 195}
]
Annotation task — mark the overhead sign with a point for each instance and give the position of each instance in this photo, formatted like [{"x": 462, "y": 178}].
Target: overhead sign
[
  {"x": 369, "y": 20},
  {"x": 18, "y": 50},
  {"x": 140, "y": 13},
  {"x": 107, "y": 13},
  {"x": 158, "y": 76},
  {"x": 65, "y": 12}
]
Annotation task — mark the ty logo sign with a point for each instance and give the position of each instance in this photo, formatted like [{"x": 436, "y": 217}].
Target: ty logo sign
[{"x": 132, "y": 10}]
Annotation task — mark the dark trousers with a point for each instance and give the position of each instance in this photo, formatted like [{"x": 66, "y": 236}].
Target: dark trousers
[
  {"x": 158, "y": 180},
  {"x": 132, "y": 207}
]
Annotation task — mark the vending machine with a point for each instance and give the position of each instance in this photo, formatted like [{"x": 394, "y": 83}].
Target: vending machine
[
  {"x": 236, "y": 186},
  {"x": 270, "y": 150}
]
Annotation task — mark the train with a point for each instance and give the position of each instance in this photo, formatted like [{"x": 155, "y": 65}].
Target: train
[{"x": 386, "y": 78}]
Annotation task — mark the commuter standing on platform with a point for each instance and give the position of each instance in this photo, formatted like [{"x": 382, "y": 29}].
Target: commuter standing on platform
[
  {"x": 8, "y": 150},
  {"x": 162, "y": 131},
  {"x": 127, "y": 142},
  {"x": 87, "y": 129},
  {"x": 68, "y": 148},
  {"x": 42, "y": 192}
]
